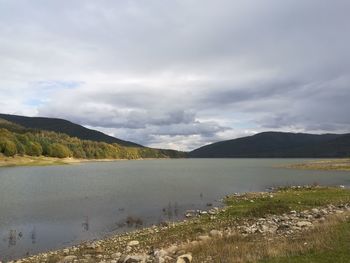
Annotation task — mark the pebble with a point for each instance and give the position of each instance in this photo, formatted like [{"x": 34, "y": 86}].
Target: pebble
[
  {"x": 203, "y": 238},
  {"x": 186, "y": 258},
  {"x": 133, "y": 243}
]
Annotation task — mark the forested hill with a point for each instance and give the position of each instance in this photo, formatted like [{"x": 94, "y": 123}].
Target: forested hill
[
  {"x": 64, "y": 126},
  {"x": 18, "y": 140},
  {"x": 278, "y": 144}
]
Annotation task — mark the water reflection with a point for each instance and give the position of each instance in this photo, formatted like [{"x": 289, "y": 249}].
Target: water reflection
[
  {"x": 33, "y": 235},
  {"x": 12, "y": 240},
  {"x": 85, "y": 224}
]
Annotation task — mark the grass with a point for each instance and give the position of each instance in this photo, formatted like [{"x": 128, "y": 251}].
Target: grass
[
  {"x": 334, "y": 248},
  {"x": 328, "y": 165},
  {"x": 284, "y": 200},
  {"x": 253, "y": 249},
  {"x": 326, "y": 243}
]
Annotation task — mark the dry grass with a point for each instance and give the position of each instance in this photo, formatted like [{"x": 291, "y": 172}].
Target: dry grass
[
  {"x": 238, "y": 248},
  {"x": 30, "y": 161}
]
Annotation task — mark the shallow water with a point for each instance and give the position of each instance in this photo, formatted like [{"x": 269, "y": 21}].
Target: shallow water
[{"x": 43, "y": 208}]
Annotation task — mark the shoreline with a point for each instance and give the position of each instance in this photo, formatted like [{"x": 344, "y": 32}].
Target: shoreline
[
  {"x": 242, "y": 215},
  {"x": 325, "y": 165},
  {"x": 49, "y": 161}
]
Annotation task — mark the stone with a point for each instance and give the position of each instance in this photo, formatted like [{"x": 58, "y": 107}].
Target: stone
[
  {"x": 133, "y": 243},
  {"x": 135, "y": 259},
  {"x": 116, "y": 255},
  {"x": 186, "y": 258},
  {"x": 203, "y": 238},
  {"x": 194, "y": 243},
  {"x": 172, "y": 249},
  {"x": 68, "y": 259},
  {"x": 160, "y": 260},
  {"x": 215, "y": 233},
  {"x": 160, "y": 253},
  {"x": 303, "y": 224},
  {"x": 315, "y": 210}
]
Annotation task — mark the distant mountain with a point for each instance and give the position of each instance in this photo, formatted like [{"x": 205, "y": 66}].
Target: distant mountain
[
  {"x": 278, "y": 144},
  {"x": 27, "y": 139},
  {"x": 67, "y": 127}
]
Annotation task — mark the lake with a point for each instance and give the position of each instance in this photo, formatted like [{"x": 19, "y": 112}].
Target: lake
[{"x": 44, "y": 208}]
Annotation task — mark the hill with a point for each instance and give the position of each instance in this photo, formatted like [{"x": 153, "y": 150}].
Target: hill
[
  {"x": 278, "y": 144},
  {"x": 64, "y": 126},
  {"x": 17, "y": 140}
]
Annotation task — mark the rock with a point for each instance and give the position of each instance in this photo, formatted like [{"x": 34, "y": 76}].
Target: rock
[
  {"x": 91, "y": 245},
  {"x": 160, "y": 253},
  {"x": 315, "y": 210},
  {"x": 160, "y": 260},
  {"x": 135, "y": 259},
  {"x": 186, "y": 258},
  {"x": 133, "y": 243},
  {"x": 203, "y": 238},
  {"x": 213, "y": 211},
  {"x": 68, "y": 259},
  {"x": 66, "y": 251},
  {"x": 264, "y": 228},
  {"x": 303, "y": 224},
  {"x": 172, "y": 249},
  {"x": 116, "y": 255},
  {"x": 215, "y": 233},
  {"x": 194, "y": 243}
]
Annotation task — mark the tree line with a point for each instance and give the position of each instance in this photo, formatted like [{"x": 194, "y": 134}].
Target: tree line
[{"x": 52, "y": 144}]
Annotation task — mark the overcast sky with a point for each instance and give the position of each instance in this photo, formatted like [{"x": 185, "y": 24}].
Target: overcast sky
[{"x": 178, "y": 74}]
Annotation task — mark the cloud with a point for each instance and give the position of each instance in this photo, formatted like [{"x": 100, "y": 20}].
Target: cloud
[{"x": 179, "y": 73}]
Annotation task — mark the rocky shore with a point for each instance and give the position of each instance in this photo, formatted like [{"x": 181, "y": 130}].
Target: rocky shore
[{"x": 146, "y": 245}]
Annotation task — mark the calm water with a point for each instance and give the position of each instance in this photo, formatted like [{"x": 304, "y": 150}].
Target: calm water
[{"x": 43, "y": 208}]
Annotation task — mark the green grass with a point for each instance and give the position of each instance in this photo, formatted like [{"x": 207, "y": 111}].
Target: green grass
[{"x": 258, "y": 205}]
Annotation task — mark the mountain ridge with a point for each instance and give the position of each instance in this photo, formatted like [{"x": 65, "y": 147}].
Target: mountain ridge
[
  {"x": 278, "y": 144},
  {"x": 65, "y": 126}
]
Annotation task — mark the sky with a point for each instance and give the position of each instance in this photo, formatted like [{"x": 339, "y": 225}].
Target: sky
[{"x": 179, "y": 74}]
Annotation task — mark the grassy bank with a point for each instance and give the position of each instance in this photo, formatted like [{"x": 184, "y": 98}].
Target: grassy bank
[
  {"x": 327, "y": 235},
  {"x": 32, "y": 161},
  {"x": 329, "y": 165}
]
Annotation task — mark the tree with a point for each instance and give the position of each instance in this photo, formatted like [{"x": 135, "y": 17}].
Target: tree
[
  {"x": 34, "y": 149},
  {"x": 9, "y": 148},
  {"x": 59, "y": 150}
]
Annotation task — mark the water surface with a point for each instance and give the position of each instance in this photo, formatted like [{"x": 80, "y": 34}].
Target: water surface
[{"x": 43, "y": 208}]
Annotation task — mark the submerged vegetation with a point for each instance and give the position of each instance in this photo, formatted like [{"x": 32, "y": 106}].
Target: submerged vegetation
[{"x": 15, "y": 140}]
